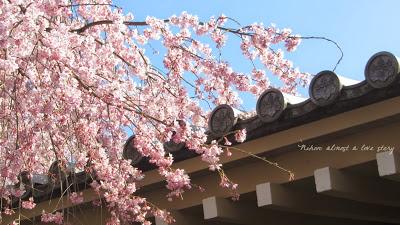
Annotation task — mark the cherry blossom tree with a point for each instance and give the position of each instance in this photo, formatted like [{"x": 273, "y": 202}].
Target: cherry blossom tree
[{"x": 75, "y": 76}]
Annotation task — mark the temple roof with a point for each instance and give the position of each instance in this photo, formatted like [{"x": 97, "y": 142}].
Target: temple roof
[{"x": 275, "y": 111}]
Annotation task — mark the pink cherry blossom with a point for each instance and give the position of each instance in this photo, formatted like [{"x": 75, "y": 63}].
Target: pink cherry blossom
[
  {"x": 28, "y": 204},
  {"x": 76, "y": 198},
  {"x": 56, "y": 217},
  {"x": 240, "y": 136},
  {"x": 227, "y": 142},
  {"x": 75, "y": 77}
]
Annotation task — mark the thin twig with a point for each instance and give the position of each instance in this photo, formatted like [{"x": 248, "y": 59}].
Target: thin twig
[{"x": 329, "y": 40}]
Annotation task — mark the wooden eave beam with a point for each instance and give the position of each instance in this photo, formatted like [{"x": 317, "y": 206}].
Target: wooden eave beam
[
  {"x": 220, "y": 209},
  {"x": 330, "y": 181},
  {"x": 180, "y": 219},
  {"x": 278, "y": 197}
]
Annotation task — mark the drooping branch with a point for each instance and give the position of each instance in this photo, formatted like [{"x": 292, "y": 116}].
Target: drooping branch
[
  {"x": 107, "y": 22},
  {"x": 239, "y": 31},
  {"x": 331, "y": 41},
  {"x": 91, "y": 4}
]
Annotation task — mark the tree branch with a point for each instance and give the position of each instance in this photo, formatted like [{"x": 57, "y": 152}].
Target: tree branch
[{"x": 102, "y": 22}]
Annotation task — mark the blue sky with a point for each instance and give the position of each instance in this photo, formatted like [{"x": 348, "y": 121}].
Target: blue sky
[{"x": 360, "y": 27}]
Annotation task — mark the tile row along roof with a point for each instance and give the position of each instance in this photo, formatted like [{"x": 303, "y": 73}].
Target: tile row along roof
[{"x": 329, "y": 93}]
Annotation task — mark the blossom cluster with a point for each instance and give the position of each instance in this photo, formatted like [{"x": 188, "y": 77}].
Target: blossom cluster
[
  {"x": 75, "y": 77},
  {"x": 28, "y": 204},
  {"x": 56, "y": 217},
  {"x": 76, "y": 198}
]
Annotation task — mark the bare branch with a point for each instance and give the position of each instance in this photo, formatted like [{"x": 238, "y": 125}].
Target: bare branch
[{"x": 329, "y": 40}]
